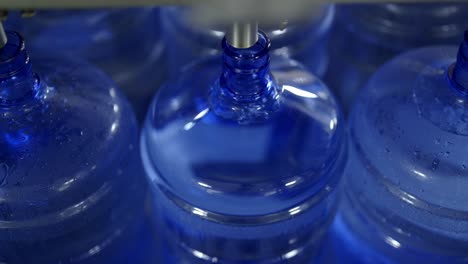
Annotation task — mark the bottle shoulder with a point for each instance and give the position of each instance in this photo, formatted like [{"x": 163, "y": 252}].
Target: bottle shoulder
[
  {"x": 400, "y": 27},
  {"x": 92, "y": 34},
  {"x": 66, "y": 138},
  {"x": 409, "y": 128},
  {"x": 195, "y": 153}
]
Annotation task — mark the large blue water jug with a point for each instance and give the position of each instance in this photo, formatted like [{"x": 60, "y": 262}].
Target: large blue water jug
[
  {"x": 125, "y": 43},
  {"x": 405, "y": 198},
  {"x": 305, "y": 40},
  {"x": 244, "y": 159},
  {"x": 72, "y": 188},
  {"x": 364, "y": 36}
]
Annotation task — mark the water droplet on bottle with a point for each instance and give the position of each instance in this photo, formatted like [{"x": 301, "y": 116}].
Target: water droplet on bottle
[
  {"x": 463, "y": 166},
  {"x": 448, "y": 143},
  {"x": 387, "y": 150},
  {"x": 417, "y": 154},
  {"x": 30, "y": 118},
  {"x": 435, "y": 164},
  {"x": 437, "y": 141},
  {"x": 21, "y": 155},
  {"x": 81, "y": 133}
]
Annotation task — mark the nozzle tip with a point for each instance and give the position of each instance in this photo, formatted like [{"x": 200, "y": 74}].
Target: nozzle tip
[{"x": 242, "y": 35}]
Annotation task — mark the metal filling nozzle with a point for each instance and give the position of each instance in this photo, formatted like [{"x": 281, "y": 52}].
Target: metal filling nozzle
[{"x": 243, "y": 35}]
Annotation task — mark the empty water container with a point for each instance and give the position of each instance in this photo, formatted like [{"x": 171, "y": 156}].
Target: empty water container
[
  {"x": 244, "y": 158},
  {"x": 364, "y": 36},
  {"x": 72, "y": 188},
  {"x": 126, "y": 43},
  {"x": 305, "y": 40},
  {"x": 406, "y": 180}
]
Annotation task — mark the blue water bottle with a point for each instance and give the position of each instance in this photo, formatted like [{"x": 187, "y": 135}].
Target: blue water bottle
[
  {"x": 72, "y": 188},
  {"x": 364, "y": 36},
  {"x": 406, "y": 180},
  {"x": 244, "y": 157},
  {"x": 304, "y": 40},
  {"x": 125, "y": 43}
]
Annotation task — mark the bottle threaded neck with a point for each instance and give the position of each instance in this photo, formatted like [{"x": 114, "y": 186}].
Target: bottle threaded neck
[
  {"x": 246, "y": 90},
  {"x": 13, "y": 56},
  {"x": 17, "y": 80},
  {"x": 246, "y": 70},
  {"x": 459, "y": 71}
]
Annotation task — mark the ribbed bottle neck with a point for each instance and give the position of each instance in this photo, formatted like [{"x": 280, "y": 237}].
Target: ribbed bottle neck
[
  {"x": 246, "y": 90},
  {"x": 246, "y": 72},
  {"x": 459, "y": 72},
  {"x": 17, "y": 80}
]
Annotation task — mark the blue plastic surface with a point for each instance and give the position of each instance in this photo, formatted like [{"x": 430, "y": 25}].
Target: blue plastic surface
[
  {"x": 125, "y": 43},
  {"x": 72, "y": 188},
  {"x": 244, "y": 160},
  {"x": 406, "y": 180},
  {"x": 304, "y": 41},
  {"x": 364, "y": 36}
]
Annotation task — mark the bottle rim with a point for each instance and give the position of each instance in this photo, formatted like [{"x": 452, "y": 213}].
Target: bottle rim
[
  {"x": 13, "y": 60},
  {"x": 258, "y": 50}
]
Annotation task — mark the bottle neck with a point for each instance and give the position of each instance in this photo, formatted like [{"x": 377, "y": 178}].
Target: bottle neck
[
  {"x": 17, "y": 80},
  {"x": 246, "y": 89},
  {"x": 246, "y": 72},
  {"x": 458, "y": 74}
]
